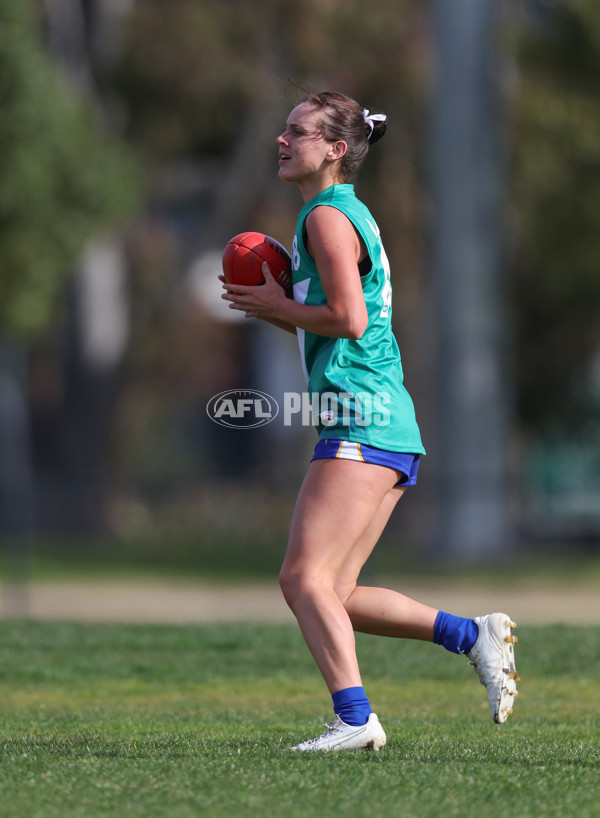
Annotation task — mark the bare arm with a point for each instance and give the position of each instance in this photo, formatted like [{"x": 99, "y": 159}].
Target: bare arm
[
  {"x": 334, "y": 245},
  {"x": 281, "y": 324}
]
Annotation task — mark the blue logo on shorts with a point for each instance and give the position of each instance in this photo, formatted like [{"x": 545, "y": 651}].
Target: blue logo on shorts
[{"x": 242, "y": 408}]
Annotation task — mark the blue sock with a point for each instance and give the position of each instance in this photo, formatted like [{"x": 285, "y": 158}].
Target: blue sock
[
  {"x": 455, "y": 633},
  {"x": 352, "y": 705}
]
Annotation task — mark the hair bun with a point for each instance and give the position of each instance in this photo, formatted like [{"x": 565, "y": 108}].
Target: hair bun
[
  {"x": 373, "y": 123},
  {"x": 379, "y": 128}
]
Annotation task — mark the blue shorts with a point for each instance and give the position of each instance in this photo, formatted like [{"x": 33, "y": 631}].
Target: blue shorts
[{"x": 408, "y": 464}]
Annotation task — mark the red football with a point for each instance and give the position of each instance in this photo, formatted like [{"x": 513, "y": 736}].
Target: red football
[{"x": 244, "y": 255}]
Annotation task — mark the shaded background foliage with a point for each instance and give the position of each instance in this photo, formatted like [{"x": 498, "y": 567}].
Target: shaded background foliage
[
  {"x": 65, "y": 176},
  {"x": 170, "y": 147},
  {"x": 556, "y": 201}
]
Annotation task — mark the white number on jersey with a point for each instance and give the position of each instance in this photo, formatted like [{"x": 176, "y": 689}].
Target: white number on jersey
[
  {"x": 295, "y": 255},
  {"x": 386, "y": 290}
]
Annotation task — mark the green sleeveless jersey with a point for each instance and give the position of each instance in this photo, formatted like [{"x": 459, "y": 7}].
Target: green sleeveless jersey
[{"x": 356, "y": 386}]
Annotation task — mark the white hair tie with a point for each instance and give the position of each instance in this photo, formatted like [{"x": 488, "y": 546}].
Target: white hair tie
[{"x": 371, "y": 119}]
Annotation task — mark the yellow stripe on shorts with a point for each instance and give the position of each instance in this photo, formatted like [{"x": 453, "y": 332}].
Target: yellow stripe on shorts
[{"x": 350, "y": 451}]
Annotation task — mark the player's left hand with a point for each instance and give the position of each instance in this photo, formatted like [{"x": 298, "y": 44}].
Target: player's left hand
[{"x": 257, "y": 301}]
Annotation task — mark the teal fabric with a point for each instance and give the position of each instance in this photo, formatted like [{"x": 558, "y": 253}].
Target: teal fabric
[{"x": 356, "y": 385}]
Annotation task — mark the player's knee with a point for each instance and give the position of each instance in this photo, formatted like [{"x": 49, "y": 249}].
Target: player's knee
[
  {"x": 296, "y": 586},
  {"x": 289, "y": 584}
]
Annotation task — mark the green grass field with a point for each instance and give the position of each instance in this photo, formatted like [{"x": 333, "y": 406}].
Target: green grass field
[{"x": 122, "y": 720}]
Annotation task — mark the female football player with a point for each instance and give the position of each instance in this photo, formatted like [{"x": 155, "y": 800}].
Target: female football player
[{"x": 369, "y": 443}]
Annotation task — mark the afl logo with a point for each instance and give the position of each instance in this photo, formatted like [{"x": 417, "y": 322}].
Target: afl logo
[{"x": 242, "y": 408}]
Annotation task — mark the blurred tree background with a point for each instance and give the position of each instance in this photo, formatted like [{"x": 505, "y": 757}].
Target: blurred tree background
[
  {"x": 137, "y": 137},
  {"x": 65, "y": 176},
  {"x": 555, "y": 253}
]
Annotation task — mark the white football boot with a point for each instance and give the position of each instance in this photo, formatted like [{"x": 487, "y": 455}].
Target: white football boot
[
  {"x": 342, "y": 736},
  {"x": 493, "y": 657}
]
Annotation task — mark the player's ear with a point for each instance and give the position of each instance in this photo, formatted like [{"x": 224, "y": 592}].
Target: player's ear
[{"x": 337, "y": 150}]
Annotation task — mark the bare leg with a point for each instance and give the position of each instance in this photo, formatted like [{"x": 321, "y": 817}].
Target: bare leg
[
  {"x": 385, "y": 612},
  {"x": 342, "y": 508},
  {"x": 379, "y": 610}
]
